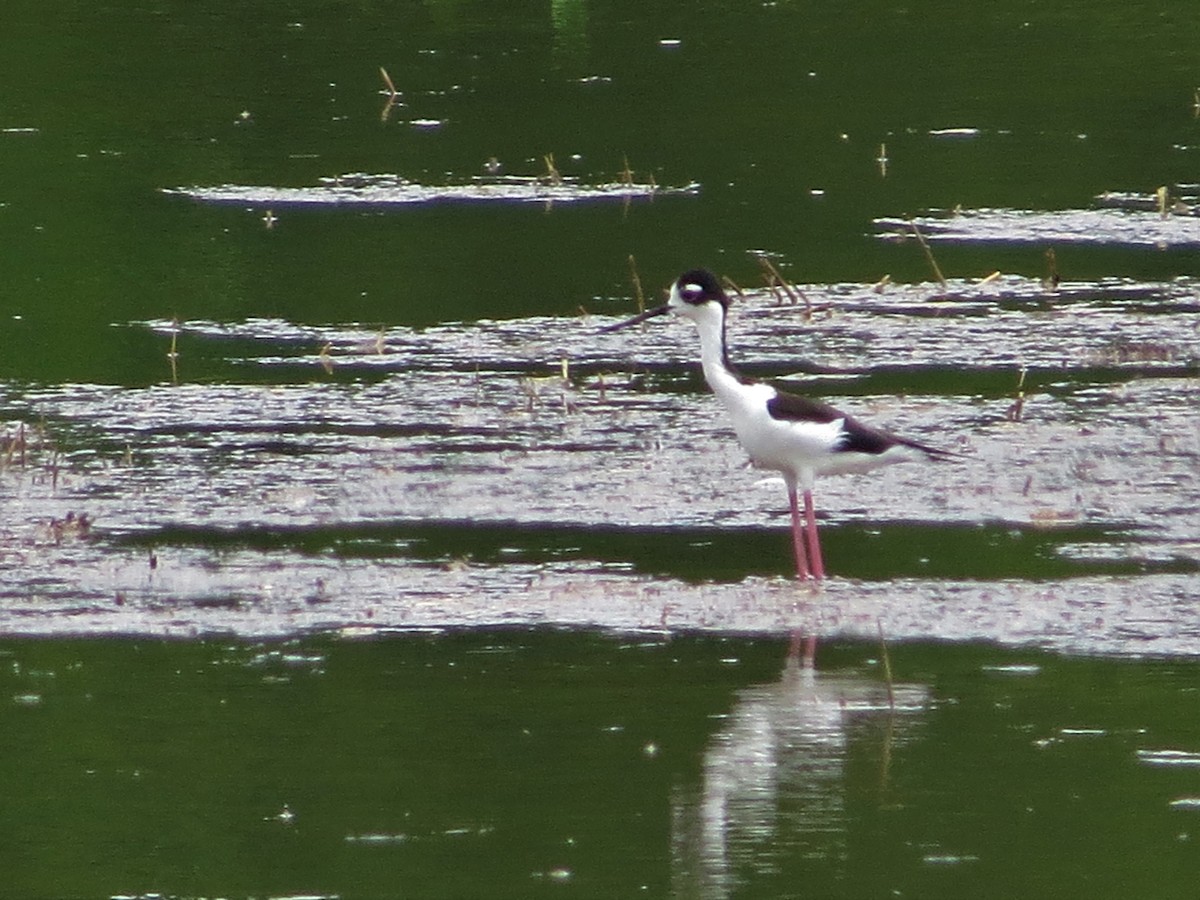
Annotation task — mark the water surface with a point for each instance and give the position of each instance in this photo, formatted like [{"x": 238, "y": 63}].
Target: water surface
[{"x": 341, "y": 554}]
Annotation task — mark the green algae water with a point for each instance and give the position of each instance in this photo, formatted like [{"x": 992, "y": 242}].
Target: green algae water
[
  {"x": 530, "y": 763},
  {"x": 341, "y": 555}
]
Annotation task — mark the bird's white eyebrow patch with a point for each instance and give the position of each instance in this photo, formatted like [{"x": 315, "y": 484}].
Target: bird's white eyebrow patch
[{"x": 693, "y": 289}]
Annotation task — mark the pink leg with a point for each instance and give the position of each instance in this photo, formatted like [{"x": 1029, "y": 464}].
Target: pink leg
[
  {"x": 802, "y": 644},
  {"x": 798, "y": 534},
  {"x": 814, "y": 542},
  {"x": 806, "y": 645}
]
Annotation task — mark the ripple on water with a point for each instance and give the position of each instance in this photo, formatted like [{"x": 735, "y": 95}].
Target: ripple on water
[{"x": 1180, "y": 758}]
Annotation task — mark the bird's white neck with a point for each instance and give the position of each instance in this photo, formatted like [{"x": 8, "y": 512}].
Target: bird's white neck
[{"x": 710, "y": 322}]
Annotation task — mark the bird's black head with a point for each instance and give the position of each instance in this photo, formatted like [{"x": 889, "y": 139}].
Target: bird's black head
[
  {"x": 690, "y": 294},
  {"x": 698, "y": 286}
]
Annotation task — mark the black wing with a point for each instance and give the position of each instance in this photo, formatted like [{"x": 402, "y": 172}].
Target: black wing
[{"x": 858, "y": 438}]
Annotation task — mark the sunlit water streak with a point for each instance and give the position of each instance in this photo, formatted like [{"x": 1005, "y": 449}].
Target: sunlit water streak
[
  {"x": 359, "y": 484},
  {"x": 1126, "y": 224},
  {"x": 360, "y": 189}
]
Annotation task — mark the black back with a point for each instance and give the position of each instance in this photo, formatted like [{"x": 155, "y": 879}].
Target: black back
[{"x": 856, "y": 437}]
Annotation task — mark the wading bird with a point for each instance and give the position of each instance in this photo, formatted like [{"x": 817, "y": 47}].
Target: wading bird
[{"x": 797, "y": 437}]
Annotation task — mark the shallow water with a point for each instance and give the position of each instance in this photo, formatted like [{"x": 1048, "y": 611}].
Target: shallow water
[
  {"x": 342, "y": 554},
  {"x": 539, "y": 761},
  {"x": 451, "y": 476},
  {"x": 1106, "y": 226}
]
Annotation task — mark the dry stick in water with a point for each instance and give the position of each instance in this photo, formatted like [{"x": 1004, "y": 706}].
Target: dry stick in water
[
  {"x": 774, "y": 278},
  {"x": 13, "y": 444},
  {"x": 173, "y": 353},
  {"x": 638, "y": 293},
  {"x": 387, "y": 81},
  {"x": 392, "y": 94},
  {"x": 16, "y": 445},
  {"x": 937, "y": 273},
  {"x": 627, "y": 180},
  {"x": 1013, "y": 413},
  {"x": 1053, "y": 278},
  {"x": 1163, "y": 197},
  {"x": 626, "y": 173},
  {"x": 887, "y": 666},
  {"x": 732, "y": 285}
]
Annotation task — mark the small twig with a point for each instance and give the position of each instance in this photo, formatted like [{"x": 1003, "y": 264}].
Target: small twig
[
  {"x": 552, "y": 172},
  {"x": 173, "y": 353},
  {"x": 937, "y": 272},
  {"x": 887, "y": 666},
  {"x": 626, "y": 172},
  {"x": 1052, "y": 278},
  {"x": 1014, "y": 411},
  {"x": 392, "y": 95},
  {"x": 638, "y": 293},
  {"x": 387, "y": 81},
  {"x": 774, "y": 278},
  {"x": 15, "y": 444}
]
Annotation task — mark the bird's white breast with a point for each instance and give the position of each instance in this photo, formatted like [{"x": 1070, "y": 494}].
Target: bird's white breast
[{"x": 798, "y": 447}]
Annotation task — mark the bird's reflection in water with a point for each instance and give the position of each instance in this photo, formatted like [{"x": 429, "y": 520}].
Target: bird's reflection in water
[{"x": 773, "y": 786}]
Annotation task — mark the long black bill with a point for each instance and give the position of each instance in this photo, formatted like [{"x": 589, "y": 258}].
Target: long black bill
[{"x": 640, "y": 317}]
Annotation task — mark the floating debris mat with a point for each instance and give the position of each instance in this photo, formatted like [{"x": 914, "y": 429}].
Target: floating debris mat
[
  {"x": 359, "y": 189},
  {"x": 1125, "y": 220}
]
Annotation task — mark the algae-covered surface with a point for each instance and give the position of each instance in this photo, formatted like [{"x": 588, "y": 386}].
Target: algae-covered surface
[{"x": 537, "y": 471}]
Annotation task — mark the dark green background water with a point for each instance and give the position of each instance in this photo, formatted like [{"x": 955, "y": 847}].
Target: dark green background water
[
  {"x": 530, "y": 764},
  {"x": 760, "y": 104},
  {"x": 542, "y": 762}
]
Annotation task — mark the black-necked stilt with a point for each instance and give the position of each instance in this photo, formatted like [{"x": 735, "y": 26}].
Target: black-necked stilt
[{"x": 796, "y": 436}]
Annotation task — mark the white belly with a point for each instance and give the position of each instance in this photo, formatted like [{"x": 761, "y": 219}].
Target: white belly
[{"x": 801, "y": 450}]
